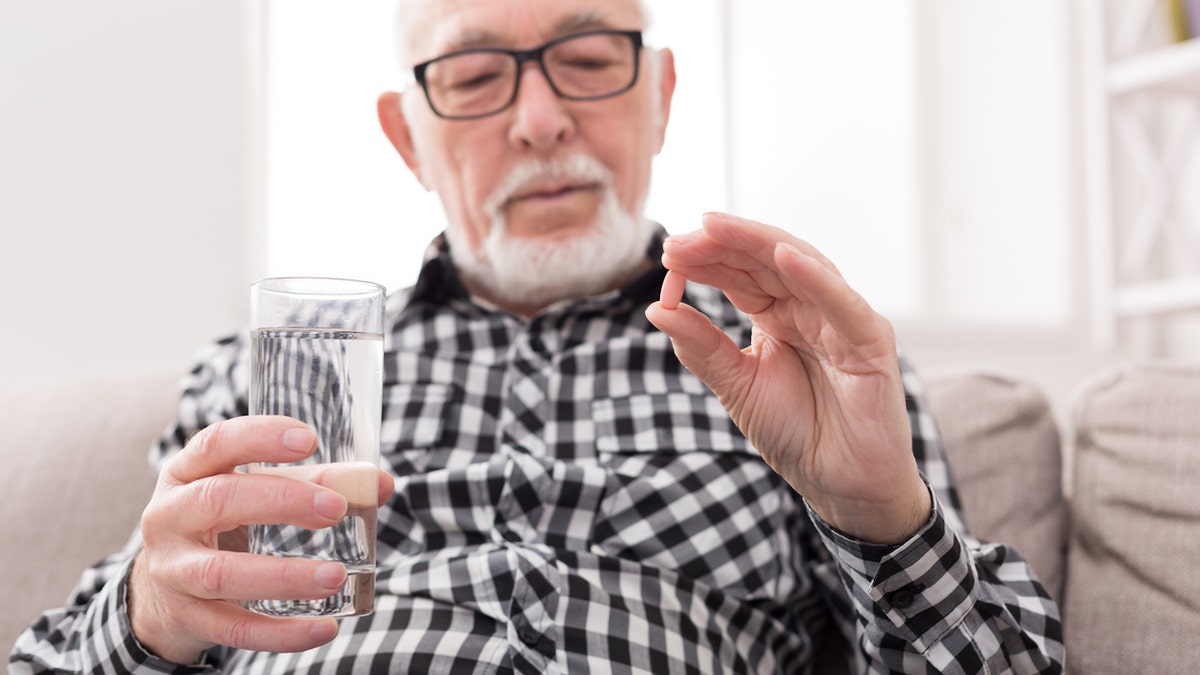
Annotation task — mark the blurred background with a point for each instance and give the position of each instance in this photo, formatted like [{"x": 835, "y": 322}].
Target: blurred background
[{"x": 1013, "y": 182}]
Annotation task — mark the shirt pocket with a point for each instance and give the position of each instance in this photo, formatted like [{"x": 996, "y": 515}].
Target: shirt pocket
[
  {"x": 415, "y": 423},
  {"x": 688, "y": 494},
  {"x": 676, "y": 422}
]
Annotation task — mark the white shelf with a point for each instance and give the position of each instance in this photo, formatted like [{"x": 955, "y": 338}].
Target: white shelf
[
  {"x": 1140, "y": 126},
  {"x": 1172, "y": 68},
  {"x": 1158, "y": 297}
]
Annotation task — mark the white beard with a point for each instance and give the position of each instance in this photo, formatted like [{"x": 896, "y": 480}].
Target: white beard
[{"x": 528, "y": 272}]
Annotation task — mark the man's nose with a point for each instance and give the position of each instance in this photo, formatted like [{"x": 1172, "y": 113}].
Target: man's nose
[{"x": 542, "y": 119}]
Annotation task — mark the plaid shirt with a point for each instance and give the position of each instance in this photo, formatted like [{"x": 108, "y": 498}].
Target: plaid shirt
[{"x": 570, "y": 499}]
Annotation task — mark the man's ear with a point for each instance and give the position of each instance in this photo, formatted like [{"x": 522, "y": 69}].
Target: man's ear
[
  {"x": 666, "y": 90},
  {"x": 395, "y": 126}
]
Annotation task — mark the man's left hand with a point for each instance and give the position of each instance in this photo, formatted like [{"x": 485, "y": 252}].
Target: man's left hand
[{"x": 818, "y": 390}]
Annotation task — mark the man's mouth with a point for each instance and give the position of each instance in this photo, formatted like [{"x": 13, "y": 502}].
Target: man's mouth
[{"x": 551, "y": 192}]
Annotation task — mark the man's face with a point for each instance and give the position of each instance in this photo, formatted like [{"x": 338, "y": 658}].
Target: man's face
[{"x": 471, "y": 163}]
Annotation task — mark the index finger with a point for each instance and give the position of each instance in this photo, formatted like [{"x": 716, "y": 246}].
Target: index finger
[
  {"x": 737, "y": 255},
  {"x": 225, "y": 445},
  {"x": 846, "y": 311},
  {"x": 758, "y": 240}
]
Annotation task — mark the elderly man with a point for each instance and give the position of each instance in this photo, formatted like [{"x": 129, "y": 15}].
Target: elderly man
[{"x": 577, "y": 414}]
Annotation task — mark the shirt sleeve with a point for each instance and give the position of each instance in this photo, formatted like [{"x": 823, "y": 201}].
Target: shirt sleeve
[
  {"x": 942, "y": 601},
  {"x": 93, "y": 633}
]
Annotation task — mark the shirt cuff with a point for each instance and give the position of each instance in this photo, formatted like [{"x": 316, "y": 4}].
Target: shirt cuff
[
  {"x": 112, "y": 644},
  {"x": 917, "y": 590}
]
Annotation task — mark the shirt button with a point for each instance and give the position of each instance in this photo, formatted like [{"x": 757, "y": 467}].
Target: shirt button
[
  {"x": 903, "y": 598},
  {"x": 528, "y": 635}
]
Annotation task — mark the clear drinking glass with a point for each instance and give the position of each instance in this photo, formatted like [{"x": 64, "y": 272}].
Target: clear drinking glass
[{"x": 317, "y": 356}]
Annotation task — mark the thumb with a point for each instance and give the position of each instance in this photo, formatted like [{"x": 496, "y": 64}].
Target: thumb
[{"x": 701, "y": 347}]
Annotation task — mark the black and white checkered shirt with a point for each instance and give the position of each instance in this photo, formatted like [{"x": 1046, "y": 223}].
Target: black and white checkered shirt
[{"x": 570, "y": 499}]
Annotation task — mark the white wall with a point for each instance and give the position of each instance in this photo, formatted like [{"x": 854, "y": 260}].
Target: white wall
[{"x": 126, "y": 238}]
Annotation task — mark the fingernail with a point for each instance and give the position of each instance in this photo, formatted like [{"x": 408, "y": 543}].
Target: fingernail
[
  {"x": 330, "y": 504},
  {"x": 331, "y": 575},
  {"x": 790, "y": 250},
  {"x": 678, "y": 239},
  {"x": 299, "y": 439},
  {"x": 324, "y": 631}
]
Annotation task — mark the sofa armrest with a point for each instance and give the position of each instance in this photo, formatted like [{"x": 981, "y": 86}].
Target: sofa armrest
[
  {"x": 75, "y": 480},
  {"x": 1004, "y": 451},
  {"x": 1133, "y": 595}
]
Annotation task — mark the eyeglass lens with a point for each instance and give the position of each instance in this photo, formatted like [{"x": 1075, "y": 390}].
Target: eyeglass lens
[{"x": 483, "y": 81}]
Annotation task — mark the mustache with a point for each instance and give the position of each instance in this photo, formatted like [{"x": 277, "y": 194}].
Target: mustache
[{"x": 579, "y": 168}]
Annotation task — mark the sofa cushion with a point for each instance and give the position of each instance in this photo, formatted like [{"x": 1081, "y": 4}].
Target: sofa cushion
[
  {"x": 75, "y": 479},
  {"x": 1003, "y": 447},
  {"x": 1133, "y": 595}
]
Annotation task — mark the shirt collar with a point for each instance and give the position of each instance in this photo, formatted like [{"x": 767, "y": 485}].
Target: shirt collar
[{"x": 439, "y": 282}]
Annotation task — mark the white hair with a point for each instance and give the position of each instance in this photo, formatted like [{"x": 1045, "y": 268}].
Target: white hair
[{"x": 403, "y": 24}]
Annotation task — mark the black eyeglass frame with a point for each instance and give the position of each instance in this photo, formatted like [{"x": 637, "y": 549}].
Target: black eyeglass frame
[{"x": 521, "y": 56}]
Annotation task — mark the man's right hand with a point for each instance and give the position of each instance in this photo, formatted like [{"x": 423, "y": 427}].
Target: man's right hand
[{"x": 185, "y": 593}]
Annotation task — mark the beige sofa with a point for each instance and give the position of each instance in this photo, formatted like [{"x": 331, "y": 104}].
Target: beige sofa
[{"x": 75, "y": 479}]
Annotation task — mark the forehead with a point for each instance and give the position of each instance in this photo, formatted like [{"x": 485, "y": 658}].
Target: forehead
[{"x": 436, "y": 27}]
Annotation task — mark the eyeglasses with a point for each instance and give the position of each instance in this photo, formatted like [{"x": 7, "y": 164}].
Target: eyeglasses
[{"x": 475, "y": 83}]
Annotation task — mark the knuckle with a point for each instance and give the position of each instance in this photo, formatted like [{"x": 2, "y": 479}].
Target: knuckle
[
  {"x": 213, "y": 495},
  {"x": 299, "y": 574},
  {"x": 153, "y": 518},
  {"x": 285, "y": 496},
  {"x": 238, "y": 632},
  {"x": 210, "y": 439},
  {"x": 289, "y": 493},
  {"x": 210, "y": 575},
  {"x": 160, "y": 517},
  {"x": 221, "y": 441},
  {"x": 201, "y": 441}
]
